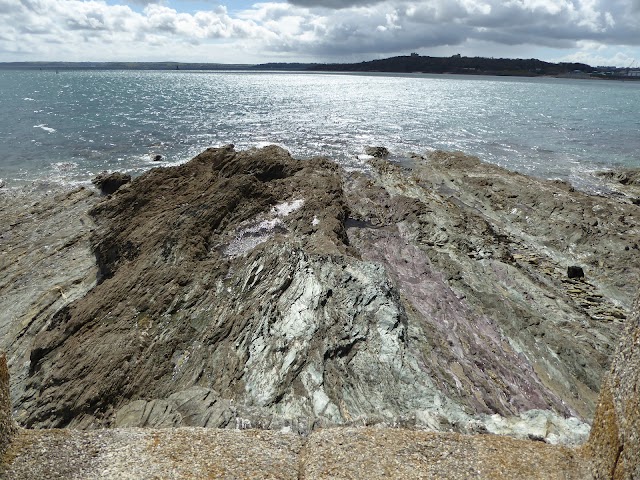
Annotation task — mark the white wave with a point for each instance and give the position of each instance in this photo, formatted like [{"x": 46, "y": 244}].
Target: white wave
[
  {"x": 284, "y": 209},
  {"x": 44, "y": 127},
  {"x": 29, "y": 99},
  {"x": 64, "y": 166}
]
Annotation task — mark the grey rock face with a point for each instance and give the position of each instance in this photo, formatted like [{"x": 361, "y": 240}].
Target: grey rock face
[
  {"x": 251, "y": 289},
  {"x": 46, "y": 263}
]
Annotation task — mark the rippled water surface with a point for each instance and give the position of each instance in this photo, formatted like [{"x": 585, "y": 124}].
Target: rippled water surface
[{"x": 69, "y": 126}]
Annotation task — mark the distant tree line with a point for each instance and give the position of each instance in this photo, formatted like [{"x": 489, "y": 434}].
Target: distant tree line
[
  {"x": 458, "y": 64},
  {"x": 405, "y": 64}
]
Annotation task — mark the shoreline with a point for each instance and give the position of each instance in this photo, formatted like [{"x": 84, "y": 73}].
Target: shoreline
[{"x": 620, "y": 182}]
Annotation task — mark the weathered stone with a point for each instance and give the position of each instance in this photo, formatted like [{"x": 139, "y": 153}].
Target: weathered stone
[
  {"x": 234, "y": 291},
  {"x": 108, "y": 183},
  {"x": 305, "y": 297},
  {"x": 614, "y": 443},
  {"x": 7, "y": 425},
  {"x": 46, "y": 263}
]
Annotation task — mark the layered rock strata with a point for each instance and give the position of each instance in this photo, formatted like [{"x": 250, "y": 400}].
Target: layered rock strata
[
  {"x": 46, "y": 263},
  {"x": 336, "y": 453},
  {"x": 250, "y": 289}
]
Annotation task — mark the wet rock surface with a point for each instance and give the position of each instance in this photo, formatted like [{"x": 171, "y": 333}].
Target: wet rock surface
[
  {"x": 377, "y": 152},
  {"x": 250, "y": 289}
]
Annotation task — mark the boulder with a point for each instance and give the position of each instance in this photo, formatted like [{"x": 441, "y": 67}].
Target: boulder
[
  {"x": 108, "y": 183},
  {"x": 575, "y": 272},
  {"x": 377, "y": 152}
]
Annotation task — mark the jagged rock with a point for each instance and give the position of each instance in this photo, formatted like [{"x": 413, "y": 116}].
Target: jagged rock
[
  {"x": 196, "y": 406},
  {"x": 575, "y": 272},
  {"x": 108, "y": 183},
  {"x": 625, "y": 177},
  {"x": 278, "y": 294},
  {"x": 305, "y": 297},
  {"x": 377, "y": 152},
  {"x": 625, "y": 182},
  {"x": 46, "y": 264}
]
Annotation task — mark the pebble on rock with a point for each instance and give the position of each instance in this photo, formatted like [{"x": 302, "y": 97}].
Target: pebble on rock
[{"x": 575, "y": 272}]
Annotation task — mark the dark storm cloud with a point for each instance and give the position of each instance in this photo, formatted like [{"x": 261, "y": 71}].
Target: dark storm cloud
[{"x": 398, "y": 26}]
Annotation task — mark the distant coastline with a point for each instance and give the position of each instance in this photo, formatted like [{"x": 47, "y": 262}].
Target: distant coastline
[{"x": 414, "y": 63}]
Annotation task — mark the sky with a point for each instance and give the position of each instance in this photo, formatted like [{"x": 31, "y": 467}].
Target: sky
[{"x": 597, "y": 32}]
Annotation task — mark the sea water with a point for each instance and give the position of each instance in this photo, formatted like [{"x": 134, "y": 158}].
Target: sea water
[{"x": 65, "y": 127}]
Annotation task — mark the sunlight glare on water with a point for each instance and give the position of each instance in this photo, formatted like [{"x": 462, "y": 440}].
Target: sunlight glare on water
[{"x": 68, "y": 127}]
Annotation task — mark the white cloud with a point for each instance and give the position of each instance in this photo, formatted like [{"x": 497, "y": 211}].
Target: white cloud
[
  {"x": 600, "y": 55},
  {"x": 307, "y": 29}
]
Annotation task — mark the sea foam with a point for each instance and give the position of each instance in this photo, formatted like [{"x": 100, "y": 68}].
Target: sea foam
[{"x": 44, "y": 127}]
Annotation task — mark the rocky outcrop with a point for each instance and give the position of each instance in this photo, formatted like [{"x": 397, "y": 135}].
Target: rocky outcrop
[
  {"x": 46, "y": 263},
  {"x": 377, "y": 152},
  {"x": 253, "y": 289},
  {"x": 625, "y": 177},
  {"x": 625, "y": 182},
  {"x": 250, "y": 290}
]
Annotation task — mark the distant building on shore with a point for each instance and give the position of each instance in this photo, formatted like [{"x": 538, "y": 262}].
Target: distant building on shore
[{"x": 633, "y": 73}]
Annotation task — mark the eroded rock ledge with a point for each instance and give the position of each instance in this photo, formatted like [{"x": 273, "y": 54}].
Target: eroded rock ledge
[{"x": 250, "y": 289}]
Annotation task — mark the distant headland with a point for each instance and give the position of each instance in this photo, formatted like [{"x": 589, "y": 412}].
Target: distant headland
[{"x": 413, "y": 63}]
